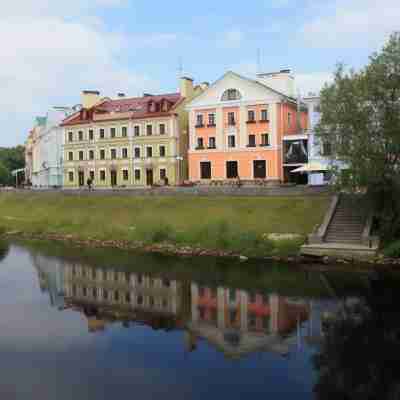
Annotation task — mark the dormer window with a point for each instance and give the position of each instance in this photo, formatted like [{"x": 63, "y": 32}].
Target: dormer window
[
  {"x": 231, "y": 94},
  {"x": 152, "y": 106},
  {"x": 165, "y": 106}
]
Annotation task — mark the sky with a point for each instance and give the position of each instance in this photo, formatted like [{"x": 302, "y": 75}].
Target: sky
[{"x": 53, "y": 49}]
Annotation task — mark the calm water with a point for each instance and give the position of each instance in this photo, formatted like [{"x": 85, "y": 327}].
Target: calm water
[{"x": 102, "y": 324}]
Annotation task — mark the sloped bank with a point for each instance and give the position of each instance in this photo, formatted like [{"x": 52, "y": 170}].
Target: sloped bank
[{"x": 252, "y": 227}]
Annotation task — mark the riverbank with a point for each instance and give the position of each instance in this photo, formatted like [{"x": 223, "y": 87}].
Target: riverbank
[{"x": 224, "y": 225}]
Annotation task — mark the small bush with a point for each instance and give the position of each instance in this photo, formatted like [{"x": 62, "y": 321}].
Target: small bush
[{"x": 393, "y": 250}]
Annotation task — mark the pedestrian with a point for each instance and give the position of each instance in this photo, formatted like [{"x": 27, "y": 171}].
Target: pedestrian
[{"x": 89, "y": 184}]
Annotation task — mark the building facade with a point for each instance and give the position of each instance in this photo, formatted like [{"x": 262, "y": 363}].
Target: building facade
[
  {"x": 43, "y": 151},
  {"x": 128, "y": 142},
  {"x": 247, "y": 129}
]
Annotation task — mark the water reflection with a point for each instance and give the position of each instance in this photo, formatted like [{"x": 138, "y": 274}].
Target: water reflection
[{"x": 235, "y": 321}]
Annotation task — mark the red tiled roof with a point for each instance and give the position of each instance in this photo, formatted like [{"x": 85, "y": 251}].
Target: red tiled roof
[{"x": 132, "y": 108}]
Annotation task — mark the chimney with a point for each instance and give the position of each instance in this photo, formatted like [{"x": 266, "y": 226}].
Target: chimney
[
  {"x": 282, "y": 81},
  {"x": 186, "y": 87},
  {"x": 89, "y": 98},
  {"x": 121, "y": 95}
]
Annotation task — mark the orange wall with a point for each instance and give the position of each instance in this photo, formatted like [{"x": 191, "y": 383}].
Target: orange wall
[{"x": 245, "y": 159}]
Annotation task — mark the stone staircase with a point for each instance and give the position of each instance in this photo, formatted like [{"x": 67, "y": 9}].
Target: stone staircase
[{"x": 347, "y": 223}]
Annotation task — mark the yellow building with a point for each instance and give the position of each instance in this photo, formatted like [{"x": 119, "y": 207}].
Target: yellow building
[{"x": 128, "y": 142}]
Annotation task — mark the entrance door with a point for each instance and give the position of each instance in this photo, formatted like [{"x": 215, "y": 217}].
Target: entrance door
[
  {"x": 260, "y": 169},
  {"x": 81, "y": 176},
  {"x": 149, "y": 177},
  {"x": 113, "y": 178}
]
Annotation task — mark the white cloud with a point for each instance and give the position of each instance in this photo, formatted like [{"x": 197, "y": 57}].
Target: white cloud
[
  {"x": 47, "y": 58},
  {"x": 351, "y": 23},
  {"x": 232, "y": 39}
]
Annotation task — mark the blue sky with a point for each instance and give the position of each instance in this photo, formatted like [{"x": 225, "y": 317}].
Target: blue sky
[{"x": 53, "y": 49}]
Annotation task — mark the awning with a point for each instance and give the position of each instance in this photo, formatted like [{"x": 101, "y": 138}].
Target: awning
[
  {"x": 17, "y": 171},
  {"x": 311, "y": 167}
]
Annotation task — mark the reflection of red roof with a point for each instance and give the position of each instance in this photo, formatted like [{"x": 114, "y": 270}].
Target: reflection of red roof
[{"x": 127, "y": 108}]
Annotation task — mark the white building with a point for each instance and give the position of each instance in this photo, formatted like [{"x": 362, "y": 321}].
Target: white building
[{"x": 46, "y": 142}]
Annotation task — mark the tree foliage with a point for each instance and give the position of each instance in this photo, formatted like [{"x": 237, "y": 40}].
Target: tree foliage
[
  {"x": 361, "y": 350},
  {"x": 361, "y": 119},
  {"x": 10, "y": 159}
]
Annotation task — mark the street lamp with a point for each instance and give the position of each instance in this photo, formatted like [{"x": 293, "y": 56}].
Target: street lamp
[{"x": 179, "y": 159}]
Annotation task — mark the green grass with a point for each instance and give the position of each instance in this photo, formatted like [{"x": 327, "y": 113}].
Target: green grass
[{"x": 226, "y": 223}]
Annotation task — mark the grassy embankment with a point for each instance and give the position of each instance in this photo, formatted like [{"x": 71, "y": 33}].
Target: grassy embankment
[{"x": 225, "y": 223}]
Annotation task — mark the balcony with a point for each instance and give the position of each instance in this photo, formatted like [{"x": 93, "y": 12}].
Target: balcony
[
  {"x": 211, "y": 147},
  {"x": 251, "y": 121},
  {"x": 264, "y": 120},
  {"x": 199, "y": 126},
  {"x": 199, "y": 148},
  {"x": 211, "y": 125}
]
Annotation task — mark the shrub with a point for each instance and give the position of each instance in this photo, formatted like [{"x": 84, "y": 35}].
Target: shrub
[{"x": 393, "y": 250}]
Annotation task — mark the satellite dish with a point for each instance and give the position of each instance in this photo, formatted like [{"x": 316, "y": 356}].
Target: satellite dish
[{"x": 77, "y": 107}]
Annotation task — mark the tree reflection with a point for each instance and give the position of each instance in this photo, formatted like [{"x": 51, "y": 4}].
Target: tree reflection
[
  {"x": 360, "y": 356},
  {"x": 4, "y": 248}
]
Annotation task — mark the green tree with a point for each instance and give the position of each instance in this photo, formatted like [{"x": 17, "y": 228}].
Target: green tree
[
  {"x": 4, "y": 175},
  {"x": 10, "y": 159},
  {"x": 361, "y": 119}
]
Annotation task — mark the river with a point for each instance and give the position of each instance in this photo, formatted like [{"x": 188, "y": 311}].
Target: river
[{"x": 108, "y": 324}]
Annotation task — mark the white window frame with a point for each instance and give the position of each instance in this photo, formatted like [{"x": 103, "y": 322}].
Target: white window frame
[
  {"x": 105, "y": 174},
  {"x": 165, "y": 150},
  {"x": 127, "y": 131},
  {"x": 140, "y": 130},
  {"x": 105, "y": 133},
  {"x": 105, "y": 154},
  {"x": 116, "y": 132},
  {"x": 165, "y": 129},
  {"x": 116, "y": 153},
  {"x": 122, "y": 171},
  {"x": 88, "y": 155},
  {"x": 227, "y": 141},
  {"x": 73, "y": 156},
  {"x": 134, "y": 174},
  {"x": 140, "y": 152},
  {"x": 127, "y": 153}
]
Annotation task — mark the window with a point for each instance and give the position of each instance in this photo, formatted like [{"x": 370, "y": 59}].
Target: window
[
  {"x": 102, "y": 133},
  {"x": 149, "y": 130},
  {"x": 317, "y": 108},
  {"x": 162, "y": 129},
  {"x": 205, "y": 170},
  {"x": 112, "y": 132},
  {"x": 231, "y": 94},
  {"x": 149, "y": 152},
  {"x": 163, "y": 173},
  {"x": 211, "y": 119},
  {"x": 124, "y": 131},
  {"x": 231, "y": 141},
  {"x": 125, "y": 174},
  {"x": 91, "y": 174},
  {"x": 91, "y": 134},
  {"x": 137, "y": 152},
  {"x": 162, "y": 151},
  {"x": 81, "y": 156},
  {"x": 200, "y": 143},
  {"x": 199, "y": 123},
  {"x": 124, "y": 152},
  {"x": 137, "y": 130},
  {"x": 102, "y": 154},
  {"x": 70, "y": 156},
  {"x": 71, "y": 176},
  {"x": 264, "y": 115},
  {"x": 80, "y": 135},
  {"x": 251, "y": 116},
  {"x": 70, "y": 136},
  {"x": 265, "y": 139},
  {"x": 326, "y": 149},
  {"x": 211, "y": 142},
  {"x": 289, "y": 119},
  {"x": 231, "y": 169},
  {"x": 91, "y": 155},
  {"x": 252, "y": 141},
  {"x": 137, "y": 174},
  {"x": 231, "y": 118},
  {"x": 113, "y": 154},
  {"x": 103, "y": 175}
]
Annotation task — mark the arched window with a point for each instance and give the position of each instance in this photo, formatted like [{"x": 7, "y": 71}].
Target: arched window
[{"x": 231, "y": 94}]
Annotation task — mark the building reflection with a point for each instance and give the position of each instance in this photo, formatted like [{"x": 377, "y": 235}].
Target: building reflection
[{"x": 236, "y": 322}]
